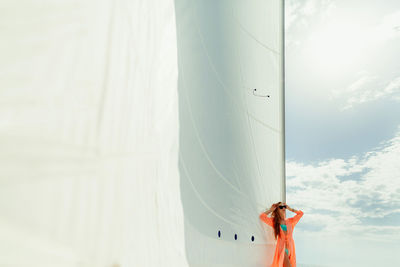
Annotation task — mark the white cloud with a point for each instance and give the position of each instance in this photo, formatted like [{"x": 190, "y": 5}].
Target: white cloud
[
  {"x": 328, "y": 38},
  {"x": 368, "y": 88},
  {"x": 301, "y": 13},
  {"x": 388, "y": 28},
  {"x": 345, "y": 196}
]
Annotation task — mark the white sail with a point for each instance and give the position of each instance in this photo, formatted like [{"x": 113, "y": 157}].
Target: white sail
[
  {"x": 230, "y": 56},
  {"x": 89, "y": 134},
  {"x": 107, "y": 159}
]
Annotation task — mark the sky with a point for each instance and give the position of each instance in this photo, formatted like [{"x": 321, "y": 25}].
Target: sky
[{"x": 342, "y": 74}]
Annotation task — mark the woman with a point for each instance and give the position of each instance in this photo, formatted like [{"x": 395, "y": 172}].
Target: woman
[{"x": 285, "y": 254}]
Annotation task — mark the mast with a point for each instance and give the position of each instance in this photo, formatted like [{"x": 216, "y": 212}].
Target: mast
[{"x": 283, "y": 104}]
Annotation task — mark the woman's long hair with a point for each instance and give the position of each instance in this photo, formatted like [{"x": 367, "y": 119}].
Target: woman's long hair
[{"x": 277, "y": 220}]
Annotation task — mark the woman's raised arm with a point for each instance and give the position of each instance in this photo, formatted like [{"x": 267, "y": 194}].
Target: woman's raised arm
[
  {"x": 264, "y": 216},
  {"x": 295, "y": 219}
]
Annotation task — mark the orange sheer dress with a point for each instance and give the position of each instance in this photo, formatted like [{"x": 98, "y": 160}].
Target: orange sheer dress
[{"x": 284, "y": 240}]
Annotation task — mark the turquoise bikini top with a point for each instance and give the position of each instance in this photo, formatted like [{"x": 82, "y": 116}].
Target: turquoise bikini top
[{"x": 284, "y": 228}]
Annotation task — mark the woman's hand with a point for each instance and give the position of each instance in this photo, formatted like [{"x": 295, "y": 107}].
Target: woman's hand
[
  {"x": 289, "y": 208},
  {"x": 271, "y": 209}
]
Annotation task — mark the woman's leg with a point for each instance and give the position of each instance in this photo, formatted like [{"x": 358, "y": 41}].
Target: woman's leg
[{"x": 286, "y": 261}]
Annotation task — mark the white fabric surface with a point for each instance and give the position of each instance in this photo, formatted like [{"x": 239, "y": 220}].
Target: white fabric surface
[
  {"x": 89, "y": 134},
  {"x": 231, "y": 138}
]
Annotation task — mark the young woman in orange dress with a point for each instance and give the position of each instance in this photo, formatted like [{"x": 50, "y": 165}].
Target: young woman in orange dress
[{"x": 285, "y": 255}]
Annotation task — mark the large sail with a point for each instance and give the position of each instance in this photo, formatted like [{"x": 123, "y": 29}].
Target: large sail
[
  {"x": 89, "y": 134},
  {"x": 230, "y": 58}
]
